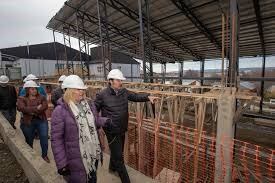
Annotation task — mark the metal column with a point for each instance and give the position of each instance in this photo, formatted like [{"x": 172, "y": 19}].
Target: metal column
[
  {"x": 141, "y": 39},
  {"x": 202, "y": 71},
  {"x": 55, "y": 53},
  {"x": 104, "y": 37},
  {"x": 82, "y": 43},
  {"x": 262, "y": 86},
  {"x": 163, "y": 72},
  {"x": 180, "y": 72},
  {"x": 148, "y": 37},
  {"x": 234, "y": 43},
  {"x": 67, "y": 43}
]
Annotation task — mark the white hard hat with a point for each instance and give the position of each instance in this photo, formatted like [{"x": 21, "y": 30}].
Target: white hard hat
[
  {"x": 30, "y": 77},
  {"x": 30, "y": 84},
  {"x": 74, "y": 82},
  {"x": 62, "y": 78},
  {"x": 116, "y": 74},
  {"x": 4, "y": 79}
]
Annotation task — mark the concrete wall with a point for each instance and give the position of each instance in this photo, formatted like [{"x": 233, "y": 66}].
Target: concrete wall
[{"x": 35, "y": 168}]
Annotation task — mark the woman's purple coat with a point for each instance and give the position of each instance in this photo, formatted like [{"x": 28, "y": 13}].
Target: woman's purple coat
[{"x": 65, "y": 140}]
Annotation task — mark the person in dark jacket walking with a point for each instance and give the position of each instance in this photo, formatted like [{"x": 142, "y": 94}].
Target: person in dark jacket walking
[
  {"x": 113, "y": 104},
  {"x": 75, "y": 129},
  {"x": 57, "y": 93},
  {"x": 8, "y": 99},
  {"x": 33, "y": 107}
]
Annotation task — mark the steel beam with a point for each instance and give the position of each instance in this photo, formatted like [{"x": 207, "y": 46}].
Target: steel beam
[
  {"x": 180, "y": 4},
  {"x": 148, "y": 37},
  {"x": 67, "y": 43},
  {"x": 180, "y": 72},
  {"x": 261, "y": 35},
  {"x": 234, "y": 43},
  {"x": 120, "y": 7},
  {"x": 141, "y": 39},
  {"x": 114, "y": 29},
  {"x": 202, "y": 71},
  {"x": 55, "y": 53},
  {"x": 85, "y": 69},
  {"x": 163, "y": 72}
]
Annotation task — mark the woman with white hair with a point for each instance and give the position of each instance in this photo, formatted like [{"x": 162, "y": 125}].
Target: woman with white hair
[{"x": 75, "y": 125}]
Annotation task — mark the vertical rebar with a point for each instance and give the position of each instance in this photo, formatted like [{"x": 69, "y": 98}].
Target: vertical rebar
[
  {"x": 55, "y": 53},
  {"x": 141, "y": 39}
]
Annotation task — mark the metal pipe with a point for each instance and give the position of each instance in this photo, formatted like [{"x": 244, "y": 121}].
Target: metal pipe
[
  {"x": 55, "y": 53},
  {"x": 223, "y": 22},
  {"x": 79, "y": 45},
  {"x": 66, "y": 54},
  {"x": 262, "y": 86},
  {"x": 202, "y": 71},
  {"x": 147, "y": 2},
  {"x": 109, "y": 52},
  {"x": 101, "y": 40},
  {"x": 141, "y": 39}
]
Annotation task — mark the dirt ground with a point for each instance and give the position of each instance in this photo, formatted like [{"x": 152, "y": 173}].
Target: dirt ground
[{"x": 10, "y": 170}]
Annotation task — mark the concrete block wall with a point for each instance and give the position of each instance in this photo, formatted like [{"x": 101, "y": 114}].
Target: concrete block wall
[{"x": 35, "y": 168}]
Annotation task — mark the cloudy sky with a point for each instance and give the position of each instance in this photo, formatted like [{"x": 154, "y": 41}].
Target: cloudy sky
[{"x": 23, "y": 21}]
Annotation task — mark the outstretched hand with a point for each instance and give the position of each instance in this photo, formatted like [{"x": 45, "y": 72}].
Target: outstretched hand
[{"x": 153, "y": 99}]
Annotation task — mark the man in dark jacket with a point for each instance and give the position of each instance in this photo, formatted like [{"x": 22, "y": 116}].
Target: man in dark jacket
[
  {"x": 113, "y": 104},
  {"x": 57, "y": 93},
  {"x": 8, "y": 99}
]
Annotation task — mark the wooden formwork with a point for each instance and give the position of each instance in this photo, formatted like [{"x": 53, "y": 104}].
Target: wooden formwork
[{"x": 160, "y": 139}]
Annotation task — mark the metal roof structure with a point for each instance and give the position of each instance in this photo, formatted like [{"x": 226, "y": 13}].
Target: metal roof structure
[{"x": 178, "y": 29}]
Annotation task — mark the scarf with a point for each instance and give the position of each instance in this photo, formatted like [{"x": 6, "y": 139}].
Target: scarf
[{"x": 88, "y": 139}]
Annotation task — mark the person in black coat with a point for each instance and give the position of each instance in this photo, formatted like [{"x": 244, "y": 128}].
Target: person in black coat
[
  {"x": 57, "y": 93},
  {"x": 113, "y": 104},
  {"x": 8, "y": 99}
]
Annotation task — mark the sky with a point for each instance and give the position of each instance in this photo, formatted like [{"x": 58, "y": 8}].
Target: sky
[{"x": 24, "y": 21}]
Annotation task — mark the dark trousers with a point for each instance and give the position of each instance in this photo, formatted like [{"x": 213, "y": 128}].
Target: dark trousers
[
  {"x": 10, "y": 115},
  {"x": 116, "y": 146},
  {"x": 29, "y": 132}
]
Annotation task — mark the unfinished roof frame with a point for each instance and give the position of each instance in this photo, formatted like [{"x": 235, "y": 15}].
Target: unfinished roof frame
[{"x": 163, "y": 44}]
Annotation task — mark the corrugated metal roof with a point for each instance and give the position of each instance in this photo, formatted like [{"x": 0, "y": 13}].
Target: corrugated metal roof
[{"x": 173, "y": 35}]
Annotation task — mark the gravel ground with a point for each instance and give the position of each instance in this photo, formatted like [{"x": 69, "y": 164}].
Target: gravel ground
[{"x": 10, "y": 170}]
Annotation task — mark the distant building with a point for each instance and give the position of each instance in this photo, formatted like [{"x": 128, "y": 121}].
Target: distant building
[
  {"x": 127, "y": 64},
  {"x": 271, "y": 89},
  {"x": 191, "y": 82},
  {"x": 40, "y": 60}
]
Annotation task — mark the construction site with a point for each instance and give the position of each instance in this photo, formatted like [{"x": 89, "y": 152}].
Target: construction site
[{"x": 213, "y": 131}]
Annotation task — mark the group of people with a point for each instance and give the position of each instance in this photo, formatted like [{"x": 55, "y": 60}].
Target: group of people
[
  {"x": 32, "y": 104},
  {"x": 79, "y": 124}
]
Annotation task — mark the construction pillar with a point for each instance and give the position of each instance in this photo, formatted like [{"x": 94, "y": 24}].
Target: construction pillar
[
  {"x": 163, "y": 72},
  {"x": 234, "y": 43},
  {"x": 180, "y": 72},
  {"x": 262, "y": 86},
  {"x": 1, "y": 65},
  {"x": 202, "y": 71},
  {"x": 225, "y": 135},
  {"x": 141, "y": 39}
]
